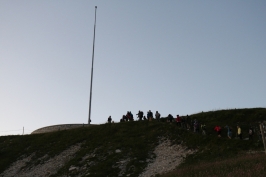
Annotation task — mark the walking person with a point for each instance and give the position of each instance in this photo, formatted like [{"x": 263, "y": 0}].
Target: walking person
[
  {"x": 229, "y": 132},
  {"x": 140, "y": 115},
  {"x": 218, "y": 129}
]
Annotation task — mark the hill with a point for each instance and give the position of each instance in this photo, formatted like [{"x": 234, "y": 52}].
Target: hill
[{"x": 139, "y": 148}]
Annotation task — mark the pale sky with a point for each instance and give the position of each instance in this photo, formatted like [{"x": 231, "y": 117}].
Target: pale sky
[{"x": 178, "y": 57}]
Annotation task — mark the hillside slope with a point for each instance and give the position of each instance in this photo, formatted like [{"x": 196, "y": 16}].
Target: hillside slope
[{"x": 130, "y": 148}]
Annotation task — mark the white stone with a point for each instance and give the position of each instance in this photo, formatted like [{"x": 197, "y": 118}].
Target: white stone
[
  {"x": 72, "y": 168},
  {"x": 118, "y": 151}
]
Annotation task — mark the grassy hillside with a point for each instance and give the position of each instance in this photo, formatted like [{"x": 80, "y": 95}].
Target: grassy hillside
[{"x": 136, "y": 140}]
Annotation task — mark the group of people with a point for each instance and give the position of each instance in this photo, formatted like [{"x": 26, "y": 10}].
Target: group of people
[
  {"x": 185, "y": 122},
  {"x": 251, "y": 132},
  {"x": 140, "y": 116}
]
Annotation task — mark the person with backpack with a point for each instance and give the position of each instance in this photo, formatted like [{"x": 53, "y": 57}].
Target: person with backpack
[
  {"x": 157, "y": 116},
  {"x": 218, "y": 129},
  {"x": 229, "y": 131},
  {"x": 140, "y": 115},
  {"x": 170, "y": 118}
]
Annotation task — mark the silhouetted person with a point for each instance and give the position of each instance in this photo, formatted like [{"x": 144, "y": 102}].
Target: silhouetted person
[
  {"x": 188, "y": 120},
  {"x": 109, "y": 119},
  {"x": 140, "y": 115},
  {"x": 150, "y": 115},
  {"x": 170, "y": 118},
  {"x": 157, "y": 116}
]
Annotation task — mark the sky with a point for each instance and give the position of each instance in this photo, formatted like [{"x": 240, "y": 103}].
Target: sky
[{"x": 175, "y": 57}]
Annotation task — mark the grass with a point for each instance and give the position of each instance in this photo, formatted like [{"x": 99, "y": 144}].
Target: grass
[
  {"x": 136, "y": 140},
  {"x": 243, "y": 165}
]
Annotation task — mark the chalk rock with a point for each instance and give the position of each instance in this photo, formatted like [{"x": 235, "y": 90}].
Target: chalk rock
[{"x": 118, "y": 151}]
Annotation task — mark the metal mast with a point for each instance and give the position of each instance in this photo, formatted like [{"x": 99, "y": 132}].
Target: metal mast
[{"x": 89, "y": 120}]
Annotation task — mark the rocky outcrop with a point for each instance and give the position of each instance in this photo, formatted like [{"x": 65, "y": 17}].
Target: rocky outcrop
[
  {"x": 45, "y": 168},
  {"x": 164, "y": 158},
  {"x": 168, "y": 157}
]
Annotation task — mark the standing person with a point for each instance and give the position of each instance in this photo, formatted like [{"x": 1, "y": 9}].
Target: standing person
[
  {"x": 239, "y": 132},
  {"x": 122, "y": 119},
  {"x": 250, "y": 133},
  {"x": 178, "y": 120},
  {"x": 170, "y": 118},
  {"x": 196, "y": 126},
  {"x": 140, "y": 115},
  {"x": 218, "y": 129},
  {"x": 109, "y": 119},
  {"x": 131, "y": 118},
  {"x": 229, "y": 131},
  {"x": 127, "y": 116},
  {"x": 157, "y": 116},
  {"x": 150, "y": 115},
  {"x": 184, "y": 122},
  {"x": 188, "y": 120},
  {"x": 203, "y": 129}
]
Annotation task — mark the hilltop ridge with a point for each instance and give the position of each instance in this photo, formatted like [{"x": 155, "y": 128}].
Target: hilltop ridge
[{"x": 132, "y": 148}]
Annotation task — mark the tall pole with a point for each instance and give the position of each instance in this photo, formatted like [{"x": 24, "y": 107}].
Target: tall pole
[{"x": 89, "y": 120}]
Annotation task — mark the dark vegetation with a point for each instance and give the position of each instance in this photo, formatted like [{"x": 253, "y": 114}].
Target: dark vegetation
[{"x": 136, "y": 140}]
